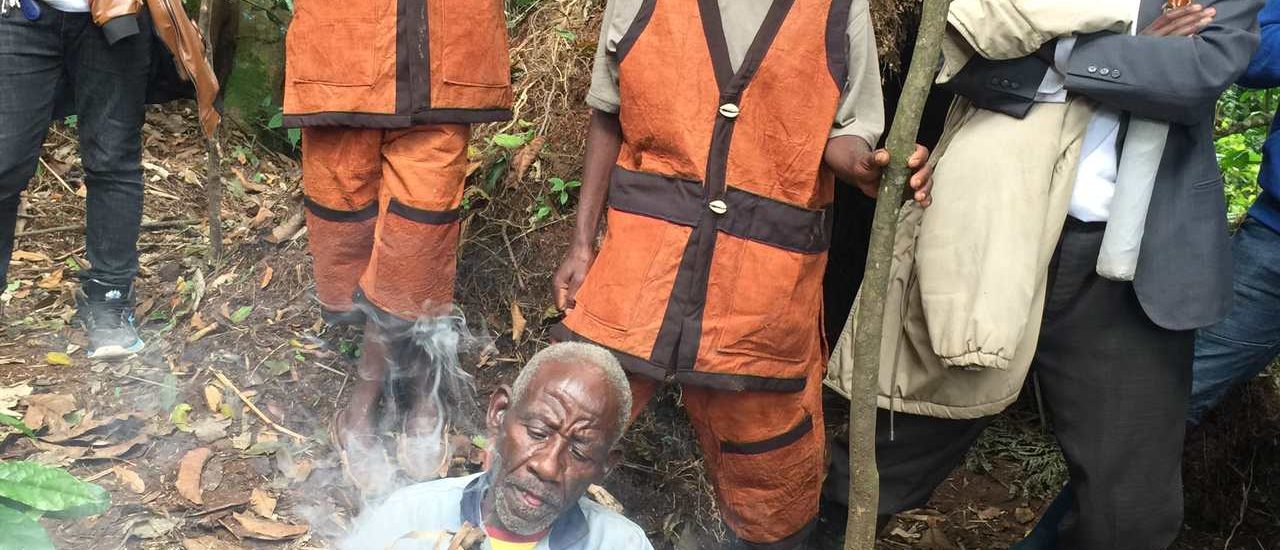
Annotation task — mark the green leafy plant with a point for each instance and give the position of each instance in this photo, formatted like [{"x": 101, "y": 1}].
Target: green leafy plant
[
  {"x": 30, "y": 491},
  {"x": 557, "y": 196}
]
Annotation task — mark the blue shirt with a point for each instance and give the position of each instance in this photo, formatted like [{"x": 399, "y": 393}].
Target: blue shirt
[
  {"x": 444, "y": 504},
  {"x": 1264, "y": 72}
]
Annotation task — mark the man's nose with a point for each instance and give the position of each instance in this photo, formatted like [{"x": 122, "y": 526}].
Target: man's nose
[{"x": 547, "y": 461}]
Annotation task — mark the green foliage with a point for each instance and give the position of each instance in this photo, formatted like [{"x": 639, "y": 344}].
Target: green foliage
[
  {"x": 50, "y": 490},
  {"x": 554, "y": 198},
  {"x": 29, "y": 491},
  {"x": 21, "y": 531},
  {"x": 1244, "y": 115},
  {"x": 16, "y": 423}
]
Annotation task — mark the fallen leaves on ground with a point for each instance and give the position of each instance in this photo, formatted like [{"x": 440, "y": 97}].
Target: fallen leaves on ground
[
  {"x": 11, "y": 396},
  {"x": 129, "y": 479},
  {"x": 263, "y": 503},
  {"x": 265, "y": 529},
  {"x": 189, "y": 470}
]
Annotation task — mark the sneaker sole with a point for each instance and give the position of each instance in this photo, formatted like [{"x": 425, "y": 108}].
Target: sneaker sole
[{"x": 116, "y": 352}]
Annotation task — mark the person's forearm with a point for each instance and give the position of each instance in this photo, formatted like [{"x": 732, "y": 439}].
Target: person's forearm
[
  {"x": 1264, "y": 71},
  {"x": 1176, "y": 79},
  {"x": 604, "y": 138}
]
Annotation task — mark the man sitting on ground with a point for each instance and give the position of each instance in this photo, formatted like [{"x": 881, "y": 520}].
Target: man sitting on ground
[{"x": 552, "y": 436}]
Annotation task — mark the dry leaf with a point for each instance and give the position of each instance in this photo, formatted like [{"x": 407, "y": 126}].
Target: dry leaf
[
  {"x": 202, "y": 332},
  {"x": 213, "y": 398},
  {"x": 207, "y": 543},
  {"x": 523, "y": 159},
  {"x": 11, "y": 396},
  {"x": 130, "y": 479},
  {"x": 518, "y": 323},
  {"x": 57, "y": 358},
  {"x": 269, "y": 530},
  {"x": 48, "y": 409},
  {"x": 189, "y": 470},
  {"x": 208, "y": 429},
  {"x": 266, "y": 277},
  {"x": 989, "y": 513},
  {"x": 27, "y": 256},
  {"x": 288, "y": 229},
  {"x": 155, "y": 527},
  {"x": 1024, "y": 515},
  {"x": 51, "y": 281},
  {"x": 197, "y": 321},
  {"x": 119, "y": 449},
  {"x": 263, "y": 503}
]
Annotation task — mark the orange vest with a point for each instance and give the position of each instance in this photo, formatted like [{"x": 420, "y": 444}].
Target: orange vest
[
  {"x": 719, "y": 208},
  {"x": 396, "y": 63}
]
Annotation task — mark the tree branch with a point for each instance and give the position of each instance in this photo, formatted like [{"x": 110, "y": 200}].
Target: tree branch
[{"x": 864, "y": 479}]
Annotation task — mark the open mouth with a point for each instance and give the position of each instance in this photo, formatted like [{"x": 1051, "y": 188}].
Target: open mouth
[{"x": 529, "y": 498}]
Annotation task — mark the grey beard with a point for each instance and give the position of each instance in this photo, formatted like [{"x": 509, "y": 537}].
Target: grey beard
[{"x": 509, "y": 512}]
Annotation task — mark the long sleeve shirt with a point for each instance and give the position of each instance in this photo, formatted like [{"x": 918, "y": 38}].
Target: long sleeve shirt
[{"x": 1264, "y": 72}]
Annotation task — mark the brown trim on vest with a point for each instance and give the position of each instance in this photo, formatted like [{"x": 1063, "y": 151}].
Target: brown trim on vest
[
  {"x": 838, "y": 42},
  {"x": 633, "y": 32},
  {"x": 795, "y": 540},
  {"x": 650, "y": 369},
  {"x": 630, "y": 363},
  {"x": 413, "y": 62},
  {"x": 749, "y": 216},
  {"x": 713, "y": 32},
  {"x": 393, "y": 121},
  {"x": 433, "y": 217},
  {"x": 330, "y": 214},
  {"x": 681, "y": 331},
  {"x": 773, "y": 443}
]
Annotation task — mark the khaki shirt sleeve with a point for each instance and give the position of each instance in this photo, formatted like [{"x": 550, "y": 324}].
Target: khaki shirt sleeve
[
  {"x": 861, "y": 111},
  {"x": 604, "y": 94}
]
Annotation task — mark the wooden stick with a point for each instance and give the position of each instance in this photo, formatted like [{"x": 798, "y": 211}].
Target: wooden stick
[
  {"x": 213, "y": 170},
  {"x": 227, "y": 381},
  {"x": 864, "y": 479},
  {"x": 146, "y": 226}
]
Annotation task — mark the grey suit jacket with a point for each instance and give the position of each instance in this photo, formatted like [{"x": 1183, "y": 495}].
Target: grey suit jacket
[{"x": 1184, "y": 271}]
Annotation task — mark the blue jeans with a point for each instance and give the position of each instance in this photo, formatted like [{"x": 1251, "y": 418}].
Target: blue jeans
[
  {"x": 1242, "y": 345},
  {"x": 109, "y": 82},
  {"x": 1227, "y": 354}
]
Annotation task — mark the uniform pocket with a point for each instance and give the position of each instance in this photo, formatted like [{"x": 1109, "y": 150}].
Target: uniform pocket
[
  {"x": 473, "y": 43},
  {"x": 325, "y": 51},
  {"x": 774, "y": 482},
  {"x": 616, "y": 281},
  {"x": 776, "y": 304}
]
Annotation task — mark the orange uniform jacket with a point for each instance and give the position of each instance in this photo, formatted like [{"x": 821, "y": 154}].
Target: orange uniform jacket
[
  {"x": 396, "y": 63},
  {"x": 718, "y": 224}
]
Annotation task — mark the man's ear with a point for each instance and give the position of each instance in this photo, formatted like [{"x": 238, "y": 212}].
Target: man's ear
[
  {"x": 615, "y": 458},
  {"x": 499, "y": 405}
]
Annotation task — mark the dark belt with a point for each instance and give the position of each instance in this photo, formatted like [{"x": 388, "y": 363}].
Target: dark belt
[{"x": 745, "y": 215}]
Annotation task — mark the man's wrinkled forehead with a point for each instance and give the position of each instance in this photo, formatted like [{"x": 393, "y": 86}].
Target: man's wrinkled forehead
[{"x": 575, "y": 394}]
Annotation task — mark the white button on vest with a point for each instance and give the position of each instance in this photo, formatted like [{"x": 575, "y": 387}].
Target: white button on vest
[
  {"x": 718, "y": 206},
  {"x": 729, "y": 110}
]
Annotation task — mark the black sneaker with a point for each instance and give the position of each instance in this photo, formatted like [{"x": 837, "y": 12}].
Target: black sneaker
[{"x": 107, "y": 315}]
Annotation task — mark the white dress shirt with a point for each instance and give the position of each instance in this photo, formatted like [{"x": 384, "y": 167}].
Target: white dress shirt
[{"x": 74, "y": 6}]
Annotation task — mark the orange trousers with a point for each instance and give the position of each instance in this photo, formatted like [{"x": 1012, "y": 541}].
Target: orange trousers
[
  {"x": 383, "y": 215},
  {"x": 765, "y": 454}
]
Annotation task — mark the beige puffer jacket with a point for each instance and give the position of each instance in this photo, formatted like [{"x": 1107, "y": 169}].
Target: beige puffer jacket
[{"x": 969, "y": 274}]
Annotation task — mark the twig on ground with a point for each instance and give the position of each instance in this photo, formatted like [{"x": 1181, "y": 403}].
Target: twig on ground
[
  {"x": 55, "y": 175},
  {"x": 146, "y": 226},
  {"x": 1246, "y": 487},
  {"x": 227, "y": 381}
]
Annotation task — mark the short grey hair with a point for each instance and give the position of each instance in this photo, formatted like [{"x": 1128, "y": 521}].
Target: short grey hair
[{"x": 579, "y": 353}]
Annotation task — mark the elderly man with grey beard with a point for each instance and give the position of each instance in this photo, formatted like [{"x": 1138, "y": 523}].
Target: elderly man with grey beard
[{"x": 553, "y": 434}]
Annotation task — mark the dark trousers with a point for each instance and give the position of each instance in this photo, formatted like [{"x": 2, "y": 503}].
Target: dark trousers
[
  {"x": 109, "y": 82},
  {"x": 1116, "y": 386}
]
